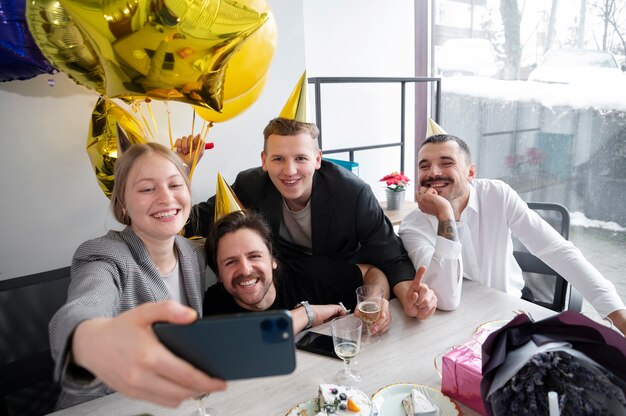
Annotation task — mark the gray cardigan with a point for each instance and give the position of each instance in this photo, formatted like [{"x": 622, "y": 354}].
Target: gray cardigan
[{"x": 110, "y": 275}]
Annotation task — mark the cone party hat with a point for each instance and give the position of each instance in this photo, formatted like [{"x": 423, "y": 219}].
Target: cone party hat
[
  {"x": 297, "y": 106},
  {"x": 434, "y": 128},
  {"x": 225, "y": 199}
]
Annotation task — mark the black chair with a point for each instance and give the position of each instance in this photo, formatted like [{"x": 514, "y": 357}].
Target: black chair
[
  {"x": 548, "y": 288},
  {"x": 27, "y": 304}
]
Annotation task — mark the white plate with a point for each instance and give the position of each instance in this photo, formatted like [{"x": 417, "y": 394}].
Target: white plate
[
  {"x": 309, "y": 407},
  {"x": 304, "y": 409},
  {"x": 388, "y": 400}
]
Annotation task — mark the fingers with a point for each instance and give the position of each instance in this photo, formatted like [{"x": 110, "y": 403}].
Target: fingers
[
  {"x": 180, "y": 380},
  {"x": 338, "y": 311},
  {"x": 423, "y": 190},
  {"x": 125, "y": 354},
  {"x": 383, "y": 322},
  {"x": 420, "y": 301},
  {"x": 166, "y": 311},
  {"x": 424, "y": 297},
  {"x": 427, "y": 303},
  {"x": 186, "y": 144},
  {"x": 324, "y": 313},
  {"x": 177, "y": 146},
  {"x": 417, "y": 280},
  {"x": 167, "y": 380},
  {"x": 182, "y": 145}
]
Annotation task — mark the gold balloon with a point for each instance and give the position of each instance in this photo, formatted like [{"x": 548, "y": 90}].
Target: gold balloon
[
  {"x": 252, "y": 62},
  {"x": 109, "y": 124},
  {"x": 165, "y": 49},
  {"x": 234, "y": 106},
  {"x": 246, "y": 72},
  {"x": 63, "y": 44}
]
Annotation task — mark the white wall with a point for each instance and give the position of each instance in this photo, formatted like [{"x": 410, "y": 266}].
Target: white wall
[
  {"x": 363, "y": 38},
  {"x": 50, "y": 199}
]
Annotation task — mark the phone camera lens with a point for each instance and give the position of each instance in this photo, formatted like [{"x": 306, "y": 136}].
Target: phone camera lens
[
  {"x": 281, "y": 323},
  {"x": 266, "y": 325}
]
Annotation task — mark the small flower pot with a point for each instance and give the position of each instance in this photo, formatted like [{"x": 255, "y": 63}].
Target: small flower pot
[{"x": 394, "y": 199}]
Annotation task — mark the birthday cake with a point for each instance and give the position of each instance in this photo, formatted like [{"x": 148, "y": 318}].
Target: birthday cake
[{"x": 342, "y": 400}]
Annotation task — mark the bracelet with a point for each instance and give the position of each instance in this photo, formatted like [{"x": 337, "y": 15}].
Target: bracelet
[{"x": 309, "y": 313}]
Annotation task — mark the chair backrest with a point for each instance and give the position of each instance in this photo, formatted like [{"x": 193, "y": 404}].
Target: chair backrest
[
  {"x": 27, "y": 304},
  {"x": 549, "y": 289}
]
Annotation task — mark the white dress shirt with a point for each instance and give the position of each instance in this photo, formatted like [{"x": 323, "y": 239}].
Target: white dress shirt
[{"x": 484, "y": 252}]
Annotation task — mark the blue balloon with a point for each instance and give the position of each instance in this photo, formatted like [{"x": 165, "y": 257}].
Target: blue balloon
[{"x": 20, "y": 57}]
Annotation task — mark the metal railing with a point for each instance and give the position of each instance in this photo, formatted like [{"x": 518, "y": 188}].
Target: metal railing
[{"x": 318, "y": 81}]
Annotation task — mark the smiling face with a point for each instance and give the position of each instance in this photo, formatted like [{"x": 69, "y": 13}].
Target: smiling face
[
  {"x": 156, "y": 198},
  {"x": 245, "y": 267},
  {"x": 444, "y": 167},
  {"x": 291, "y": 161}
]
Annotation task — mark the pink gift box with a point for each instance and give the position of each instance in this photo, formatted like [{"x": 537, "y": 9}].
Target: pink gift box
[{"x": 462, "y": 372}]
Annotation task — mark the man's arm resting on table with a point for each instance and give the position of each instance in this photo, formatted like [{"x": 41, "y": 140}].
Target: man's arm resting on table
[
  {"x": 321, "y": 313},
  {"x": 375, "y": 277},
  {"x": 126, "y": 355},
  {"x": 442, "y": 252}
]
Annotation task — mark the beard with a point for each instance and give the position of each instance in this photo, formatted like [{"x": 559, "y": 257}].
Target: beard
[
  {"x": 453, "y": 189},
  {"x": 250, "y": 299}
]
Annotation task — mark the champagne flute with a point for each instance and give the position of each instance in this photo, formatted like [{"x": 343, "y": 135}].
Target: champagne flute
[
  {"x": 346, "y": 332},
  {"x": 369, "y": 300},
  {"x": 203, "y": 411}
]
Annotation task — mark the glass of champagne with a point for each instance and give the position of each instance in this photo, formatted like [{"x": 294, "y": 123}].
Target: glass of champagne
[
  {"x": 201, "y": 410},
  {"x": 369, "y": 300},
  {"x": 346, "y": 332}
]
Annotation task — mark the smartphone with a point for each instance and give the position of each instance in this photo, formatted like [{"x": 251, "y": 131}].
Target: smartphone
[
  {"x": 318, "y": 344},
  {"x": 236, "y": 346}
]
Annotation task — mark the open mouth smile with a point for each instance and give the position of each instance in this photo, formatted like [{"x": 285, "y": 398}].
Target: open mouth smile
[
  {"x": 163, "y": 215},
  {"x": 290, "y": 182},
  {"x": 248, "y": 282},
  {"x": 437, "y": 184}
]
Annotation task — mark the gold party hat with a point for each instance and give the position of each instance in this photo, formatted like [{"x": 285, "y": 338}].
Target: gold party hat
[
  {"x": 297, "y": 106},
  {"x": 434, "y": 128},
  {"x": 225, "y": 199},
  {"x": 123, "y": 142}
]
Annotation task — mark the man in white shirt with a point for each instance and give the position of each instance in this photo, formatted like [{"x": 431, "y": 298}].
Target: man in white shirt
[{"x": 463, "y": 228}]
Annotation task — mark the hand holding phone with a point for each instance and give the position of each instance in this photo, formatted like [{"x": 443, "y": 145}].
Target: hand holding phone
[{"x": 236, "y": 346}]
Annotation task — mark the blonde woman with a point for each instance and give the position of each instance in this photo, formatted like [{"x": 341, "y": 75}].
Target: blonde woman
[{"x": 124, "y": 281}]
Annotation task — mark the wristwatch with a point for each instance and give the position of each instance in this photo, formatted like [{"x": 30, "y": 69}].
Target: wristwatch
[{"x": 309, "y": 313}]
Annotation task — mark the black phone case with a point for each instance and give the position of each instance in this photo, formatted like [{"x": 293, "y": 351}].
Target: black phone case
[
  {"x": 235, "y": 346},
  {"x": 318, "y": 344}
]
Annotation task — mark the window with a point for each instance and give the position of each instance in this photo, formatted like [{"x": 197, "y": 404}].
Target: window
[{"x": 557, "y": 136}]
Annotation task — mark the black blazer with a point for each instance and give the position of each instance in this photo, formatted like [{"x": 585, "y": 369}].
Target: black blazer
[{"x": 347, "y": 222}]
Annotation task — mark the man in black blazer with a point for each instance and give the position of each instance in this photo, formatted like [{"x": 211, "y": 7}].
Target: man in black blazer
[{"x": 319, "y": 209}]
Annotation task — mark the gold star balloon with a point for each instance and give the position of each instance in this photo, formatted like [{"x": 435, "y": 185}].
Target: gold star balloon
[
  {"x": 166, "y": 49},
  {"x": 63, "y": 44},
  {"x": 246, "y": 72},
  {"x": 111, "y": 128}
]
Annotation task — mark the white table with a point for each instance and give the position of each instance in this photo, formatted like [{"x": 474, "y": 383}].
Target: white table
[
  {"x": 397, "y": 215},
  {"x": 404, "y": 354}
]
